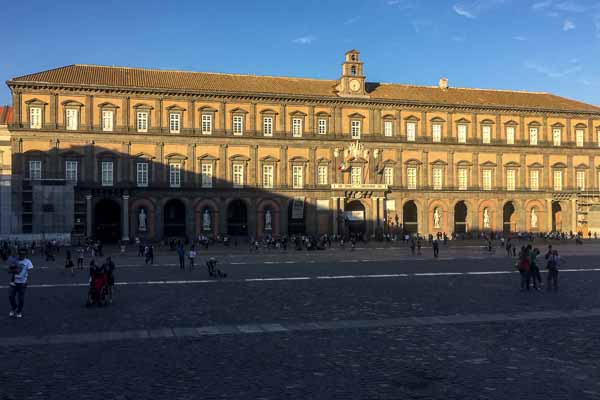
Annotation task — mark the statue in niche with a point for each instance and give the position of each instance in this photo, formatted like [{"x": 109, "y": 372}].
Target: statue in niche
[
  {"x": 486, "y": 218},
  {"x": 142, "y": 219},
  {"x": 206, "y": 220},
  {"x": 268, "y": 221},
  {"x": 534, "y": 218},
  {"x": 437, "y": 218}
]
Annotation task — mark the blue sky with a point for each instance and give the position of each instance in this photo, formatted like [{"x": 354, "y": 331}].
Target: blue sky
[{"x": 538, "y": 45}]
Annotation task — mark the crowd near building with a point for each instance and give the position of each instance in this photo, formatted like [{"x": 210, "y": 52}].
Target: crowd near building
[{"x": 122, "y": 153}]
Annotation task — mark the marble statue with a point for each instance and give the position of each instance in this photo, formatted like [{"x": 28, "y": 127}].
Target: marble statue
[
  {"x": 142, "y": 218},
  {"x": 486, "y": 218},
  {"x": 534, "y": 218},
  {"x": 206, "y": 220},
  {"x": 437, "y": 218},
  {"x": 268, "y": 220}
]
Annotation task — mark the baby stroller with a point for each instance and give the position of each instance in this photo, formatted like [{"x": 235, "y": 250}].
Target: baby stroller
[
  {"x": 99, "y": 292},
  {"x": 213, "y": 271}
]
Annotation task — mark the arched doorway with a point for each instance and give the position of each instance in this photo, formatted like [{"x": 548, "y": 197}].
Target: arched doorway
[
  {"x": 509, "y": 218},
  {"x": 460, "y": 217},
  {"x": 556, "y": 217},
  {"x": 355, "y": 218},
  {"x": 237, "y": 218},
  {"x": 107, "y": 217},
  {"x": 174, "y": 218},
  {"x": 296, "y": 217},
  {"x": 410, "y": 216}
]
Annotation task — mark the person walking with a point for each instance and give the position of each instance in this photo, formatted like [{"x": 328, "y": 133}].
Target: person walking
[
  {"x": 523, "y": 266},
  {"x": 69, "y": 266},
  {"x": 436, "y": 248},
  {"x": 534, "y": 272},
  {"x": 181, "y": 254},
  {"x": 552, "y": 265},
  {"x": 80, "y": 253},
  {"x": 412, "y": 246},
  {"x": 20, "y": 276},
  {"x": 419, "y": 246},
  {"x": 192, "y": 257}
]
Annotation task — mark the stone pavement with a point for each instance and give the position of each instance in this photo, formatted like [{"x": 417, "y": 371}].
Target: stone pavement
[{"x": 329, "y": 329}]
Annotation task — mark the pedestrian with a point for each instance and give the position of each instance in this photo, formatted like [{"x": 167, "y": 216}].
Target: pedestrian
[
  {"x": 534, "y": 271},
  {"x": 419, "y": 246},
  {"x": 192, "y": 257},
  {"x": 181, "y": 254},
  {"x": 69, "y": 266},
  {"x": 436, "y": 248},
  {"x": 412, "y": 246},
  {"x": 20, "y": 276},
  {"x": 552, "y": 265},
  {"x": 523, "y": 266}
]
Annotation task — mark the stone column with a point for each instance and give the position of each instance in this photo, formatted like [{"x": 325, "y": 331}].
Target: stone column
[
  {"x": 283, "y": 150},
  {"x": 521, "y": 213},
  {"x": 571, "y": 184},
  {"x": 574, "y": 215},
  {"x": 53, "y": 111},
  {"x": 591, "y": 181},
  {"x": 499, "y": 216},
  {"x": 222, "y": 125},
  {"x": 475, "y": 182},
  {"x": 159, "y": 169},
  {"x": 283, "y": 218},
  {"x": 125, "y": 114},
  {"x": 449, "y": 126},
  {"x": 253, "y": 167},
  {"x": 253, "y": 119},
  {"x": 548, "y": 215},
  {"x": 475, "y": 127},
  {"x": 312, "y": 160},
  {"x": 88, "y": 215},
  {"x": 311, "y": 119},
  {"x": 375, "y": 211},
  {"x": 223, "y": 170},
  {"x": 192, "y": 116},
  {"x": 523, "y": 172},
  {"x": 372, "y": 122},
  {"x": 450, "y": 183},
  {"x": 333, "y": 127},
  {"x": 521, "y": 128},
  {"x": 425, "y": 170},
  {"x": 89, "y": 113},
  {"x": 450, "y": 220},
  {"x": 398, "y": 167},
  {"x": 191, "y": 180},
  {"x": 499, "y": 172},
  {"x": 341, "y": 208},
  {"x": 125, "y": 164},
  {"x": 282, "y": 120},
  {"x": 334, "y": 215},
  {"x": 381, "y": 209},
  {"x": 591, "y": 132},
  {"x": 546, "y": 185},
  {"x": 498, "y": 129},
  {"x": 338, "y": 122},
  {"x": 125, "y": 218},
  {"x": 569, "y": 131},
  {"x": 545, "y": 129}
]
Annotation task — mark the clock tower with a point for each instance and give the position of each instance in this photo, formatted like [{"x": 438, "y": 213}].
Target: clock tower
[{"x": 352, "y": 81}]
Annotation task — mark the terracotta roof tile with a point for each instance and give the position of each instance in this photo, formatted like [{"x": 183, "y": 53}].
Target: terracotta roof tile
[
  {"x": 93, "y": 75},
  {"x": 5, "y": 115}
]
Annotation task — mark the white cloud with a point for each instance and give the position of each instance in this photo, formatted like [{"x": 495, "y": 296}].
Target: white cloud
[
  {"x": 460, "y": 10},
  {"x": 305, "y": 39},
  {"x": 568, "y": 25},
  {"x": 541, "y": 5},
  {"x": 552, "y": 73},
  {"x": 570, "y": 6},
  {"x": 351, "y": 20},
  {"x": 393, "y": 2},
  {"x": 519, "y": 38}
]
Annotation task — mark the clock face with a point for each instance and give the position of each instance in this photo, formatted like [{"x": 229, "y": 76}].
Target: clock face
[{"x": 354, "y": 85}]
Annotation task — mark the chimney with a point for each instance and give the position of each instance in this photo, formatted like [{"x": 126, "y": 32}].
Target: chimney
[{"x": 443, "y": 83}]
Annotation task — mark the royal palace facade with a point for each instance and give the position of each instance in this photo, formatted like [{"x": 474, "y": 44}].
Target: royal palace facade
[{"x": 155, "y": 153}]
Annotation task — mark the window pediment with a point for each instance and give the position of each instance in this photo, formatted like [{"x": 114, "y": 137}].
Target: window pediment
[
  {"x": 71, "y": 103},
  {"x": 323, "y": 160},
  {"x": 238, "y": 110},
  {"x": 107, "y": 154},
  {"x": 388, "y": 117},
  {"x": 36, "y": 102},
  {"x": 558, "y": 125},
  {"x": 487, "y": 122},
  {"x": 357, "y": 160},
  {"x": 207, "y": 157},
  {"x": 411, "y": 118},
  {"x": 299, "y": 159},
  {"x": 207, "y": 109},
  {"x": 70, "y": 154},
  {"x": 269, "y": 159},
  {"x": 437, "y": 120},
  {"x": 462, "y": 121},
  {"x": 511, "y": 123},
  {"x": 239, "y": 157},
  {"x": 488, "y": 164},
  {"x": 142, "y": 106},
  {"x": 512, "y": 164},
  {"x": 582, "y": 166},
  {"x": 464, "y": 163},
  {"x": 439, "y": 163},
  {"x": 412, "y": 161},
  {"x": 106, "y": 104},
  {"x": 559, "y": 165},
  {"x": 536, "y": 165},
  {"x": 175, "y": 156},
  {"x": 389, "y": 161},
  {"x": 143, "y": 155},
  {"x": 297, "y": 114},
  {"x": 268, "y": 111},
  {"x": 35, "y": 153},
  {"x": 534, "y": 123},
  {"x": 323, "y": 114},
  {"x": 580, "y": 126},
  {"x": 356, "y": 116},
  {"x": 175, "y": 107}
]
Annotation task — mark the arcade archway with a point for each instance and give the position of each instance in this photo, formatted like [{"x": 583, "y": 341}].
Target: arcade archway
[
  {"x": 460, "y": 217},
  {"x": 509, "y": 218},
  {"x": 556, "y": 217},
  {"x": 355, "y": 218},
  {"x": 237, "y": 218},
  {"x": 296, "y": 217},
  {"x": 107, "y": 217},
  {"x": 174, "y": 218},
  {"x": 410, "y": 217}
]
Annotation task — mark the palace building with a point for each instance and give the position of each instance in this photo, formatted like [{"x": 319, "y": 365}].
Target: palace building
[{"x": 157, "y": 153}]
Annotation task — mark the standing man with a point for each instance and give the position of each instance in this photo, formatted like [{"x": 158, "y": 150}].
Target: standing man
[
  {"x": 18, "y": 284},
  {"x": 181, "y": 254},
  {"x": 436, "y": 248}
]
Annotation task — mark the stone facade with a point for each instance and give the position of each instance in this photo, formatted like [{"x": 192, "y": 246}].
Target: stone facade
[{"x": 279, "y": 163}]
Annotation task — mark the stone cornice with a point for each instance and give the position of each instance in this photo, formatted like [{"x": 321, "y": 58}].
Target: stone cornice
[{"x": 289, "y": 99}]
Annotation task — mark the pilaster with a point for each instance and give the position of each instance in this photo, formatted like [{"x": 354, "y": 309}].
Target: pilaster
[
  {"x": 253, "y": 119},
  {"x": 222, "y": 125},
  {"x": 311, "y": 119},
  {"x": 523, "y": 172},
  {"x": 192, "y": 116},
  {"x": 425, "y": 169},
  {"x": 125, "y": 111},
  {"x": 89, "y": 113},
  {"x": 499, "y": 171},
  {"x": 571, "y": 184},
  {"x": 223, "y": 172},
  {"x": 283, "y": 161},
  {"x": 17, "y": 108},
  {"x": 450, "y": 183},
  {"x": 54, "y": 111},
  {"x": 475, "y": 179},
  {"x": 546, "y": 173}
]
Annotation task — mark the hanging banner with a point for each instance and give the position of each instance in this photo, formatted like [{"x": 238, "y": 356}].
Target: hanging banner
[{"x": 298, "y": 208}]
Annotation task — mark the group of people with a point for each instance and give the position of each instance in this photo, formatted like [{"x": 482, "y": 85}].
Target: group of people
[
  {"x": 529, "y": 269},
  {"x": 211, "y": 263}
]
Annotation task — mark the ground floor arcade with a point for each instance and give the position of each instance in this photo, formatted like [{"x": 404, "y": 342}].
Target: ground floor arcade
[{"x": 159, "y": 215}]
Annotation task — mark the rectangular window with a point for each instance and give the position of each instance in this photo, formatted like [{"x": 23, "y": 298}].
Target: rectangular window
[
  {"x": 437, "y": 178},
  {"x": 411, "y": 131},
  {"x": 107, "y": 173},
  {"x": 297, "y": 127},
  {"x": 206, "y": 172},
  {"x": 142, "y": 121},
  {"x": 108, "y": 117},
  {"x": 356, "y": 176},
  {"x": 142, "y": 174},
  {"x": 557, "y": 181},
  {"x": 510, "y": 135},
  {"x": 35, "y": 170},
  {"x": 461, "y": 133},
  {"x": 411, "y": 177},
  {"x": 174, "y": 174},
  {"x": 322, "y": 126},
  {"x": 268, "y": 126},
  {"x": 387, "y": 128},
  {"x": 206, "y": 124},
  {"x": 267, "y": 176},
  {"x": 486, "y": 134},
  {"x": 71, "y": 171},
  {"x": 580, "y": 180},
  {"x": 238, "y": 175},
  {"x": 174, "y": 122},
  {"x": 511, "y": 178},
  {"x": 297, "y": 176},
  {"x": 556, "y": 136},
  {"x": 463, "y": 179},
  {"x": 486, "y": 179},
  {"x": 436, "y": 133},
  {"x": 322, "y": 175},
  {"x": 35, "y": 118},
  {"x": 72, "y": 119},
  {"x": 388, "y": 175},
  {"x": 534, "y": 180},
  {"x": 355, "y": 129},
  {"x": 533, "y": 136},
  {"x": 238, "y": 125},
  {"x": 579, "y": 137}
]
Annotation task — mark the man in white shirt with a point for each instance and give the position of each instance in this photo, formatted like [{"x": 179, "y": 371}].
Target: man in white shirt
[{"x": 16, "y": 293}]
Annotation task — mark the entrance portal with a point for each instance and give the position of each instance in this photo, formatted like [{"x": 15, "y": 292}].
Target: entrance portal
[
  {"x": 296, "y": 214},
  {"x": 460, "y": 217},
  {"x": 509, "y": 217},
  {"x": 174, "y": 218},
  {"x": 237, "y": 218},
  {"x": 355, "y": 217},
  {"x": 410, "y": 217},
  {"x": 107, "y": 217},
  {"x": 556, "y": 217}
]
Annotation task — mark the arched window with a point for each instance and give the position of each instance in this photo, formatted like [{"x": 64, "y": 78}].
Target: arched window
[{"x": 353, "y": 70}]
